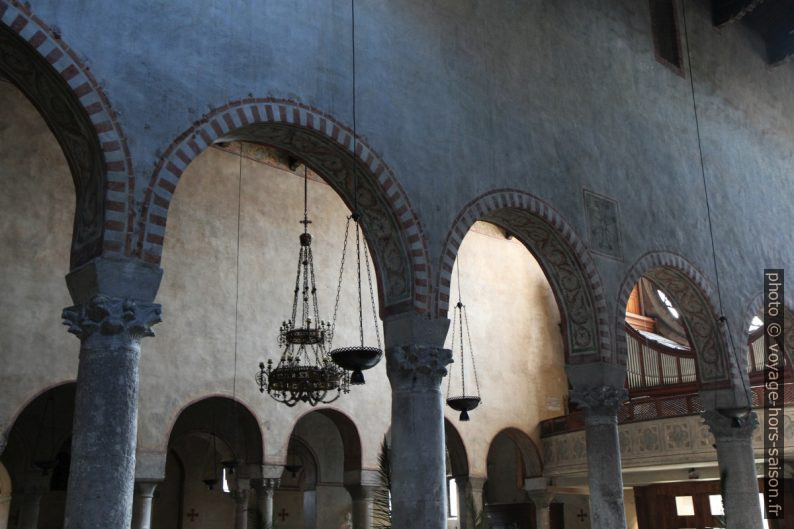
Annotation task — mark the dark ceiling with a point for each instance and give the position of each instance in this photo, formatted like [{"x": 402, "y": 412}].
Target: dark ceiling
[{"x": 773, "y": 20}]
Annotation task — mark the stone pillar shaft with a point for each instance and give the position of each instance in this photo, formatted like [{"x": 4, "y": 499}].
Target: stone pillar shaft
[
  {"x": 106, "y": 409},
  {"x": 362, "y": 497},
  {"x": 415, "y": 363},
  {"x": 29, "y": 511},
  {"x": 601, "y": 402},
  {"x": 542, "y": 501},
  {"x": 469, "y": 500},
  {"x": 142, "y": 504},
  {"x": 733, "y": 437},
  {"x": 241, "y": 508},
  {"x": 264, "y": 500}
]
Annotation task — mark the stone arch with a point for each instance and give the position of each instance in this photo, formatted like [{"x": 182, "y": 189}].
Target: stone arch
[
  {"x": 348, "y": 431},
  {"x": 392, "y": 229},
  {"x": 530, "y": 455},
  {"x": 31, "y": 401},
  {"x": 459, "y": 460},
  {"x": 694, "y": 298},
  {"x": 36, "y": 59},
  {"x": 562, "y": 256},
  {"x": 754, "y": 308},
  {"x": 216, "y": 415}
]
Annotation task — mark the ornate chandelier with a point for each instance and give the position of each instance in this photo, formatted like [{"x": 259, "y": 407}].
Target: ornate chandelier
[
  {"x": 461, "y": 340},
  {"x": 304, "y": 372}
]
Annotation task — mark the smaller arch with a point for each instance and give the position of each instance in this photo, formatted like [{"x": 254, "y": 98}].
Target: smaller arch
[
  {"x": 530, "y": 455},
  {"x": 562, "y": 255},
  {"x": 755, "y": 308},
  {"x": 223, "y": 417},
  {"x": 15, "y": 417},
  {"x": 348, "y": 431},
  {"x": 694, "y": 297},
  {"x": 458, "y": 459}
]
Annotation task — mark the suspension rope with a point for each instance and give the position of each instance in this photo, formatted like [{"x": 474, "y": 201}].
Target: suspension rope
[{"x": 722, "y": 317}]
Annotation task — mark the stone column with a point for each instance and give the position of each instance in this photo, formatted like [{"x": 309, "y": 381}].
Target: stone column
[
  {"x": 30, "y": 502},
  {"x": 469, "y": 499},
  {"x": 142, "y": 504},
  {"x": 240, "y": 496},
  {"x": 362, "y": 496},
  {"x": 733, "y": 436},
  {"x": 599, "y": 389},
  {"x": 542, "y": 500},
  {"x": 112, "y": 312},
  {"x": 415, "y": 364},
  {"x": 264, "y": 500}
]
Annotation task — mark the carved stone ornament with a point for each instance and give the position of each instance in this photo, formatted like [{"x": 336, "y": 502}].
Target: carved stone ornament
[
  {"x": 415, "y": 361},
  {"x": 600, "y": 402},
  {"x": 726, "y": 428},
  {"x": 564, "y": 271},
  {"x": 109, "y": 316},
  {"x": 73, "y": 129}
]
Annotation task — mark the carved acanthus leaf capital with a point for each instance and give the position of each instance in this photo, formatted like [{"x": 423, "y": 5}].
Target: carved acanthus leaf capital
[
  {"x": 108, "y": 316},
  {"x": 418, "y": 361},
  {"x": 730, "y": 427},
  {"x": 600, "y": 401}
]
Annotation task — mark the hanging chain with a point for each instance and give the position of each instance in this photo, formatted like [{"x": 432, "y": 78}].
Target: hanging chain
[
  {"x": 449, "y": 381},
  {"x": 371, "y": 293},
  {"x": 471, "y": 351},
  {"x": 358, "y": 282},
  {"x": 339, "y": 283}
]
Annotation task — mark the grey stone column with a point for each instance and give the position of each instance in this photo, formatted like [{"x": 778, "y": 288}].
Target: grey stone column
[
  {"x": 738, "y": 477},
  {"x": 142, "y": 504},
  {"x": 240, "y": 496},
  {"x": 542, "y": 500},
  {"x": 113, "y": 311},
  {"x": 30, "y": 503},
  {"x": 415, "y": 364},
  {"x": 362, "y": 496},
  {"x": 264, "y": 500},
  {"x": 599, "y": 389},
  {"x": 469, "y": 499}
]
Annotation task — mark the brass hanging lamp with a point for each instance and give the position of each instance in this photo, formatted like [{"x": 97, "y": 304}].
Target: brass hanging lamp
[
  {"x": 461, "y": 342},
  {"x": 304, "y": 373},
  {"x": 357, "y": 357}
]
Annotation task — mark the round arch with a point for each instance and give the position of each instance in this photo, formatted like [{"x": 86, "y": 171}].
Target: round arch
[
  {"x": 693, "y": 296},
  {"x": 79, "y": 114},
  {"x": 562, "y": 255},
  {"x": 221, "y": 416},
  {"x": 755, "y": 307},
  {"x": 458, "y": 459},
  {"x": 530, "y": 455},
  {"x": 348, "y": 431},
  {"x": 392, "y": 228}
]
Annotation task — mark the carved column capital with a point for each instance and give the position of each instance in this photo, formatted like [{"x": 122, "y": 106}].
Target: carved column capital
[
  {"x": 268, "y": 485},
  {"x": 417, "y": 363},
  {"x": 600, "y": 402},
  {"x": 112, "y": 316},
  {"x": 725, "y": 428}
]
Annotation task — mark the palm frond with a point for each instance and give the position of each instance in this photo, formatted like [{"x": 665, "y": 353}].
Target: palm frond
[{"x": 381, "y": 501}]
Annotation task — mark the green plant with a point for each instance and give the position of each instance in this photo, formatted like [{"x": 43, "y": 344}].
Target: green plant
[
  {"x": 478, "y": 517},
  {"x": 381, "y": 501}
]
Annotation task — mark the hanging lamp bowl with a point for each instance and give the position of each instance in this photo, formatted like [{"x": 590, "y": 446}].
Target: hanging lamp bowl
[
  {"x": 45, "y": 465},
  {"x": 356, "y": 359},
  {"x": 210, "y": 483},
  {"x": 464, "y": 405}
]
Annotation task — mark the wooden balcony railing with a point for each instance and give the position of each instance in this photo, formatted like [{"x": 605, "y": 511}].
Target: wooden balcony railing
[{"x": 648, "y": 408}]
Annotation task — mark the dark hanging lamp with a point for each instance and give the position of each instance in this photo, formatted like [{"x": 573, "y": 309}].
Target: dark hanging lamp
[
  {"x": 357, "y": 357},
  {"x": 211, "y": 465},
  {"x": 461, "y": 342},
  {"x": 294, "y": 463},
  {"x": 304, "y": 372}
]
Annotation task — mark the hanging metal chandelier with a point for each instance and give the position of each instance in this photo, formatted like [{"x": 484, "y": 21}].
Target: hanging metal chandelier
[
  {"x": 304, "y": 373},
  {"x": 461, "y": 340},
  {"x": 358, "y": 357}
]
